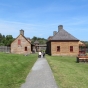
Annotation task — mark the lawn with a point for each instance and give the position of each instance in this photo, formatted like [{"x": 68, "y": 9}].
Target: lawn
[
  {"x": 68, "y": 73},
  {"x": 14, "y": 69}
]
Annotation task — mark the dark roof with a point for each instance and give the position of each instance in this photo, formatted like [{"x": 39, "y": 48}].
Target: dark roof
[
  {"x": 50, "y": 37},
  {"x": 63, "y": 35},
  {"x": 28, "y": 38}
]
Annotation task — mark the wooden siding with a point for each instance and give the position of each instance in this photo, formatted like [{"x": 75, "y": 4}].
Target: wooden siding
[
  {"x": 48, "y": 49},
  {"x": 20, "y": 49},
  {"x": 64, "y": 48}
]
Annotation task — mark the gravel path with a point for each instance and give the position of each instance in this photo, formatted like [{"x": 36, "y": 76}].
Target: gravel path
[{"x": 40, "y": 76}]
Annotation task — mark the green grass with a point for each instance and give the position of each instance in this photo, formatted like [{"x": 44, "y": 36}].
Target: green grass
[
  {"x": 14, "y": 69},
  {"x": 68, "y": 73}
]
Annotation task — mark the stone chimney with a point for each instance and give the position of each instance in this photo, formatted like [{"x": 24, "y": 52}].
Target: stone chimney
[
  {"x": 54, "y": 33},
  {"x": 60, "y": 27},
  {"x": 22, "y": 32}
]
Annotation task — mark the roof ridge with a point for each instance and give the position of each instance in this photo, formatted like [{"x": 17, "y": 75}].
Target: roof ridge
[{"x": 63, "y": 35}]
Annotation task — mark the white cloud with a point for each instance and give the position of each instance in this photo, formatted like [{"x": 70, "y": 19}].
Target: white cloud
[{"x": 30, "y": 30}]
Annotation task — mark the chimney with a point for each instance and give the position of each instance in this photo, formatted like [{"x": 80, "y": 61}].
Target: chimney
[
  {"x": 60, "y": 27},
  {"x": 22, "y": 32},
  {"x": 54, "y": 33}
]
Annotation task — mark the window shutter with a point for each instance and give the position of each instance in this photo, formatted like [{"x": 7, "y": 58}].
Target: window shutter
[{"x": 19, "y": 42}]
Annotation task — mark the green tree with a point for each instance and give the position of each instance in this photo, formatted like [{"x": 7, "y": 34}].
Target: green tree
[
  {"x": 3, "y": 40},
  {"x": 40, "y": 40},
  {"x": 8, "y": 40},
  {"x": 0, "y": 37}
]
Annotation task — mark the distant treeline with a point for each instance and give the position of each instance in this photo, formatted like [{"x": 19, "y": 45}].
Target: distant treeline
[
  {"x": 5, "y": 40},
  {"x": 86, "y": 44},
  {"x": 8, "y": 39},
  {"x": 40, "y": 40}
]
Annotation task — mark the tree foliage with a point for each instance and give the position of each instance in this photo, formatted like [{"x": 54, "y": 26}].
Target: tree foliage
[
  {"x": 5, "y": 40},
  {"x": 40, "y": 40},
  {"x": 8, "y": 39},
  {"x": 86, "y": 43}
]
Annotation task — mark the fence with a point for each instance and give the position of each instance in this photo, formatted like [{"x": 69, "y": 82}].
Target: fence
[{"x": 5, "y": 49}]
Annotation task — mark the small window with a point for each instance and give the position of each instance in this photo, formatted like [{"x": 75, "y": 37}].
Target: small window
[
  {"x": 71, "y": 48},
  {"x": 58, "y": 48},
  {"x": 25, "y": 48},
  {"x": 19, "y": 42}
]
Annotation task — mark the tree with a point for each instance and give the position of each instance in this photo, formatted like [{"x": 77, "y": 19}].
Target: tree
[
  {"x": 40, "y": 40},
  {"x": 8, "y": 40},
  {"x": 0, "y": 37}
]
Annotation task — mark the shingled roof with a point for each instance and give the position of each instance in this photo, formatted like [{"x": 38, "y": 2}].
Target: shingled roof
[{"x": 63, "y": 35}]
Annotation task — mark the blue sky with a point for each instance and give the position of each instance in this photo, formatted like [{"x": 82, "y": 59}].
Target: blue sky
[{"x": 41, "y": 17}]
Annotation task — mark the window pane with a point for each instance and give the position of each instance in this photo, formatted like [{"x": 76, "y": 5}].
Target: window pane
[
  {"x": 58, "y": 48},
  {"x": 25, "y": 48},
  {"x": 71, "y": 48}
]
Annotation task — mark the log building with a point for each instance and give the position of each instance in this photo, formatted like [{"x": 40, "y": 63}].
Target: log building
[
  {"x": 62, "y": 43},
  {"x": 21, "y": 45}
]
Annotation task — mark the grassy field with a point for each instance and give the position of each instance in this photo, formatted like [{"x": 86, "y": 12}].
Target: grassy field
[
  {"x": 14, "y": 69},
  {"x": 68, "y": 73}
]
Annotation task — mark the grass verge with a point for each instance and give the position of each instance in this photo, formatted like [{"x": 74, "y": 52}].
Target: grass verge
[
  {"x": 68, "y": 73},
  {"x": 14, "y": 69}
]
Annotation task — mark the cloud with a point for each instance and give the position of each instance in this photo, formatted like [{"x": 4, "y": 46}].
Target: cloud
[
  {"x": 30, "y": 30},
  {"x": 7, "y": 27},
  {"x": 44, "y": 30}
]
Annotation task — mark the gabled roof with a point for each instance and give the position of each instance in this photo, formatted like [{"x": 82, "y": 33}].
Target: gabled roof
[
  {"x": 50, "y": 37},
  {"x": 28, "y": 39},
  {"x": 24, "y": 37},
  {"x": 63, "y": 35}
]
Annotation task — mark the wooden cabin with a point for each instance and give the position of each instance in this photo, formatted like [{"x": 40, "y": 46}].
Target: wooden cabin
[
  {"x": 21, "y": 45},
  {"x": 62, "y": 43}
]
